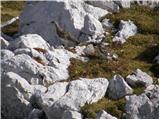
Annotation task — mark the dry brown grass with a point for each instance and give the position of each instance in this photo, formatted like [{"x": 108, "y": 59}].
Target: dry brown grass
[{"x": 39, "y": 60}]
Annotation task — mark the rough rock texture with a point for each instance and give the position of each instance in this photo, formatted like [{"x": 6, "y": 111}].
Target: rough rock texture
[
  {"x": 15, "y": 92},
  {"x": 126, "y": 29},
  {"x": 69, "y": 114},
  {"x": 152, "y": 3},
  {"x": 110, "y": 6},
  {"x": 104, "y": 115},
  {"x": 139, "y": 77},
  {"x": 123, "y": 3},
  {"x": 6, "y": 54},
  {"x": 54, "y": 92},
  {"x": 107, "y": 24},
  {"x": 144, "y": 106},
  {"x": 33, "y": 53},
  {"x": 36, "y": 114},
  {"x": 71, "y": 17},
  {"x": 72, "y": 96},
  {"x": 31, "y": 70},
  {"x": 118, "y": 88},
  {"x": 29, "y": 41},
  {"x": 152, "y": 93},
  {"x": 4, "y": 43},
  {"x": 89, "y": 50}
]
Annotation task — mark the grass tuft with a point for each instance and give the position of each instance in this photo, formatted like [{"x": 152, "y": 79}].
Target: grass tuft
[{"x": 115, "y": 108}]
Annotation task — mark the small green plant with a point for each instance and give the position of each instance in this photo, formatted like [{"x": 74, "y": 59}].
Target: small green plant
[
  {"x": 138, "y": 89},
  {"x": 115, "y": 108}
]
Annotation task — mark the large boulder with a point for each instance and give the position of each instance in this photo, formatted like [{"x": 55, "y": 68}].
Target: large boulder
[
  {"x": 104, "y": 115},
  {"x": 15, "y": 95},
  {"x": 34, "y": 71},
  {"x": 6, "y": 54},
  {"x": 54, "y": 93},
  {"x": 152, "y": 92},
  {"x": 139, "y": 77},
  {"x": 29, "y": 41},
  {"x": 118, "y": 88},
  {"x": 126, "y": 29},
  {"x": 68, "y": 17},
  {"x": 72, "y": 96},
  {"x": 144, "y": 106}
]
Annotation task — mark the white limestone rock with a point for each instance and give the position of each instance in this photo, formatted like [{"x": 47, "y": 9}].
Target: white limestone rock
[
  {"x": 4, "y": 43},
  {"x": 80, "y": 50},
  {"x": 152, "y": 3},
  {"x": 107, "y": 24},
  {"x": 139, "y": 77},
  {"x": 69, "y": 15},
  {"x": 29, "y": 41},
  {"x": 31, "y": 70},
  {"x": 89, "y": 50},
  {"x": 123, "y": 3},
  {"x": 77, "y": 94},
  {"x": 110, "y": 6},
  {"x": 126, "y": 29},
  {"x": 94, "y": 11},
  {"x": 54, "y": 93},
  {"x": 152, "y": 93},
  {"x": 69, "y": 114},
  {"x": 6, "y": 54},
  {"x": 118, "y": 88},
  {"x": 16, "y": 92},
  {"x": 143, "y": 107},
  {"x": 104, "y": 115},
  {"x": 33, "y": 53}
]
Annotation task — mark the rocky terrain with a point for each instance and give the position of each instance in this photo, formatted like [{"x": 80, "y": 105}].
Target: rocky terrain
[{"x": 80, "y": 59}]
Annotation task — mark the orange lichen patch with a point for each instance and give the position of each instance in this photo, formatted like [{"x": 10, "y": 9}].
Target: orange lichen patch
[
  {"x": 40, "y": 50},
  {"x": 39, "y": 60}
]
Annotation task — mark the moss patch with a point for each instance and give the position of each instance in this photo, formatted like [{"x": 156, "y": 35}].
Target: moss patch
[
  {"x": 131, "y": 56},
  {"x": 9, "y": 10},
  {"x": 115, "y": 108},
  {"x": 144, "y": 17}
]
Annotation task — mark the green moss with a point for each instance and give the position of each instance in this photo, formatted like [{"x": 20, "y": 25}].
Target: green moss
[
  {"x": 94, "y": 68},
  {"x": 138, "y": 89},
  {"x": 115, "y": 108},
  {"x": 9, "y": 10},
  {"x": 132, "y": 55},
  {"x": 144, "y": 17},
  {"x": 11, "y": 29}
]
